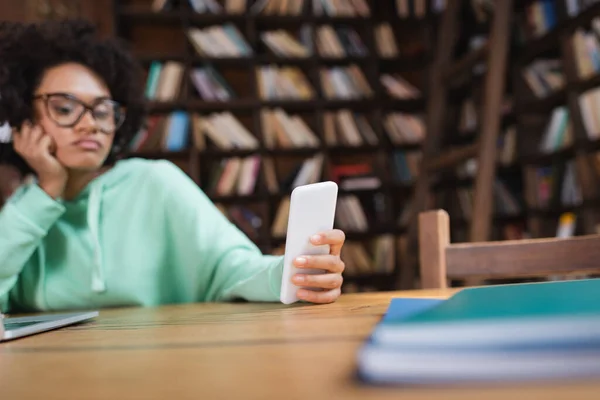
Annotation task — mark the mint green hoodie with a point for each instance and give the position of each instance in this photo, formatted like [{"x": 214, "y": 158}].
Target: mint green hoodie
[{"x": 142, "y": 234}]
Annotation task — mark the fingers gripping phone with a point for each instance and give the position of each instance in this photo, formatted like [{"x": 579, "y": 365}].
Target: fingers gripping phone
[{"x": 312, "y": 210}]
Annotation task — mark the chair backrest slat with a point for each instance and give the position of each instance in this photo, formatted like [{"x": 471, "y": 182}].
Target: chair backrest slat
[
  {"x": 441, "y": 260},
  {"x": 524, "y": 257}
]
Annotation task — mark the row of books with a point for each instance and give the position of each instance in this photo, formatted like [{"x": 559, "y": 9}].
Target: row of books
[
  {"x": 544, "y": 76},
  {"x": 349, "y": 216},
  {"x": 234, "y": 176},
  {"x": 343, "y": 127},
  {"x": 219, "y": 41},
  {"x": 339, "y": 42},
  {"x": 331, "y": 42},
  {"x": 170, "y": 132},
  {"x": 239, "y": 176},
  {"x": 377, "y": 256},
  {"x": 280, "y": 129},
  {"x": 558, "y": 133},
  {"x": 556, "y": 184},
  {"x": 286, "y": 82},
  {"x": 459, "y": 202},
  {"x": 332, "y": 8},
  {"x": 283, "y": 130},
  {"x": 164, "y": 83},
  {"x": 404, "y": 129},
  {"x": 283, "y": 44},
  {"x": 345, "y": 83}
]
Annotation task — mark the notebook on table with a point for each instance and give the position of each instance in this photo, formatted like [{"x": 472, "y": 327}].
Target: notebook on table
[
  {"x": 16, "y": 327},
  {"x": 534, "y": 331}
]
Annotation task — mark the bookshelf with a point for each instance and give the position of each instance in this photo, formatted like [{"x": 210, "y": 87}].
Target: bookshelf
[
  {"x": 555, "y": 78},
  {"x": 366, "y": 139}
]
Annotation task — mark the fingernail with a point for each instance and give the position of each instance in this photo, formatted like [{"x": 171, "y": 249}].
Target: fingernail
[
  {"x": 300, "y": 261},
  {"x": 299, "y": 278},
  {"x": 316, "y": 238}
]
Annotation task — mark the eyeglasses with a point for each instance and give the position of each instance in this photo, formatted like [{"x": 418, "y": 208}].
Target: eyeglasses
[{"x": 67, "y": 110}]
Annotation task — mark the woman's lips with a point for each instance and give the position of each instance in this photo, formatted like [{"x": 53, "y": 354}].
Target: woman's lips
[{"x": 88, "y": 144}]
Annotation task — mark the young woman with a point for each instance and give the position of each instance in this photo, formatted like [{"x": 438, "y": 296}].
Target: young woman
[{"x": 92, "y": 232}]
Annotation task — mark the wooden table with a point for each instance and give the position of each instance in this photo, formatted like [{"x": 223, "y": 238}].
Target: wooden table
[{"x": 225, "y": 351}]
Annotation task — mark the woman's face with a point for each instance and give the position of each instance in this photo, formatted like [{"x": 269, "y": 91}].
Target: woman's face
[{"x": 83, "y": 141}]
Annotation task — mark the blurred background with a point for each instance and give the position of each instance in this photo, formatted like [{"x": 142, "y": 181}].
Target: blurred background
[{"x": 252, "y": 98}]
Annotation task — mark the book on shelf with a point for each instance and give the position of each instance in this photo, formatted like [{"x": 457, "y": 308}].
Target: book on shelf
[
  {"x": 283, "y": 44},
  {"x": 355, "y": 176},
  {"x": 341, "y": 8},
  {"x": 223, "y": 130},
  {"x": 168, "y": 132},
  {"x": 555, "y": 184},
  {"x": 282, "y": 130},
  {"x": 404, "y": 129},
  {"x": 164, "y": 80},
  {"x": 376, "y": 256},
  {"x": 406, "y": 166},
  {"x": 586, "y": 49},
  {"x": 540, "y": 18},
  {"x": 350, "y": 215},
  {"x": 283, "y": 83},
  {"x": 398, "y": 87},
  {"x": 589, "y": 104},
  {"x": 278, "y": 7},
  {"x": 343, "y": 127},
  {"x": 408, "y": 8},
  {"x": 216, "y": 7},
  {"x": 559, "y": 131},
  {"x": 219, "y": 41},
  {"x": 385, "y": 41},
  {"x": 210, "y": 84},
  {"x": 544, "y": 76},
  {"x": 345, "y": 83},
  {"x": 339, "y": 42},
  {"x": 270, "y": 175},
  {"x": 567, "y": 223},
  {"x": 234, "y": 176}
]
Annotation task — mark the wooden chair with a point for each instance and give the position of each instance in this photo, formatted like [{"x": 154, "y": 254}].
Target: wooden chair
[{"x": 441, "y": 261}]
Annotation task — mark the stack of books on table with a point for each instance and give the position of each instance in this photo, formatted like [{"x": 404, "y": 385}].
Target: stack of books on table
[{"x": 506, "y": 333}]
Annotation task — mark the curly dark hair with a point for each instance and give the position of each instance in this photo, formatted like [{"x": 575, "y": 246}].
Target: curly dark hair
[{"x": 28, "y": 50}]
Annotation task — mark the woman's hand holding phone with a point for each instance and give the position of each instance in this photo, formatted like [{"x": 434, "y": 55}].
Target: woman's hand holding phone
[
  {"x": 38, "y": 148},
  {"x": 329, "y": 282}
]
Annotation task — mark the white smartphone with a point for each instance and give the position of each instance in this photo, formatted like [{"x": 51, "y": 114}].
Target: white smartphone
[{"x": 312, "y": 210}]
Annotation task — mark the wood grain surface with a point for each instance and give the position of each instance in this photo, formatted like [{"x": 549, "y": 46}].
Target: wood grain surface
[{"x": 225, "y": 351}]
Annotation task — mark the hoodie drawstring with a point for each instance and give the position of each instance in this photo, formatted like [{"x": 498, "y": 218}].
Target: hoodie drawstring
[{"x": 93, "y": 220}]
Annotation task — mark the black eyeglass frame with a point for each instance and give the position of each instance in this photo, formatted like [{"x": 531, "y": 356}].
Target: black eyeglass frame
[{"x": 86, "y": 107}]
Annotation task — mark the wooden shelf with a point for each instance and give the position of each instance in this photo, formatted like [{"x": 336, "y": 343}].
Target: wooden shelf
[{"x": 543, "y": 105}]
